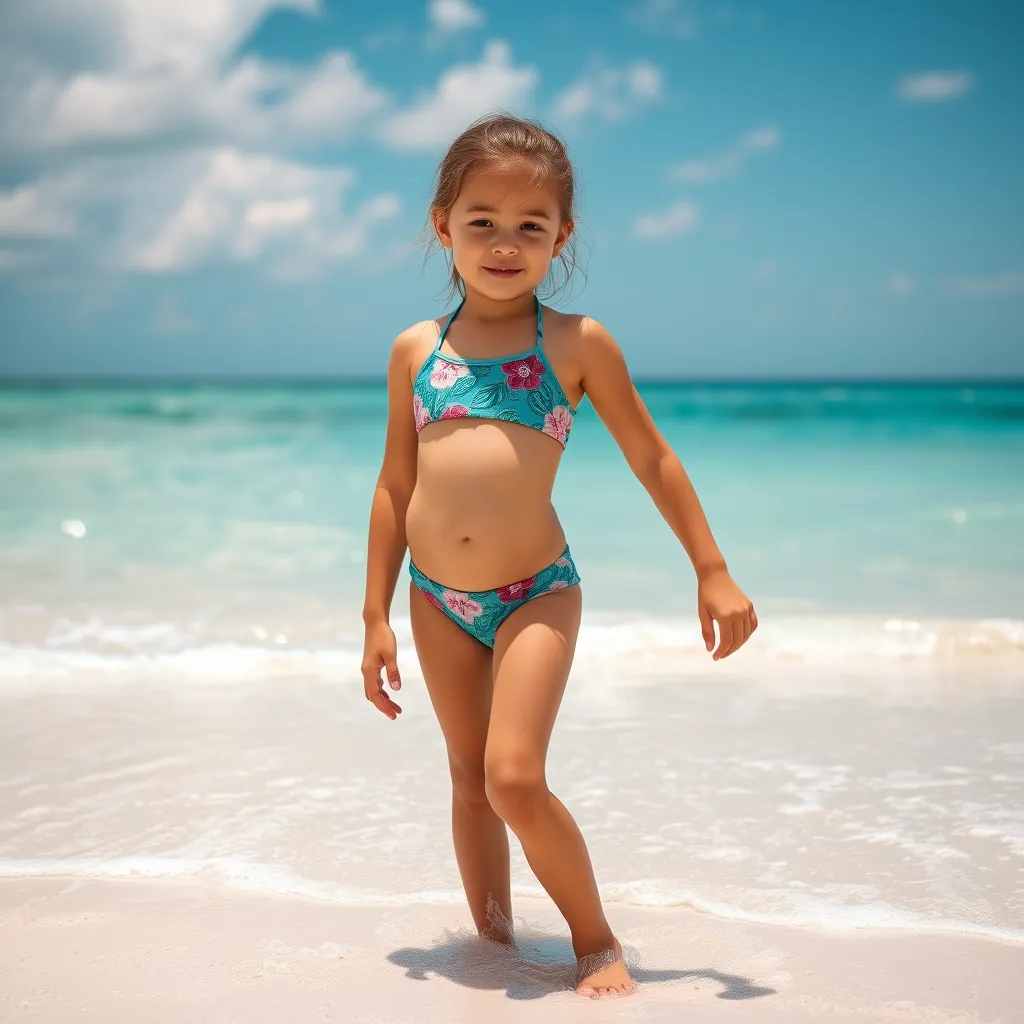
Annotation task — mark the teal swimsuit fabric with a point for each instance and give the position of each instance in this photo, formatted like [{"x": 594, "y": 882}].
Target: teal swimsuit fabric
[
  {"x": 481, "y": 612},
  {"x": 520, "y": 388}
]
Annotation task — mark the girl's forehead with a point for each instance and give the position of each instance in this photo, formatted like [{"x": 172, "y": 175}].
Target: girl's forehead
[{"x": 506, "y": 189}]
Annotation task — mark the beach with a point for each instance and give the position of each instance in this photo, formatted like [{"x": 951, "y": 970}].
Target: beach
[
  {"x": 201, "y": 817},
  {"x": 167, "y": 951}
]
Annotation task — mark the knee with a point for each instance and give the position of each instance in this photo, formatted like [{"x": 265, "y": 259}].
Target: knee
[
  {"x": 468, "y": 780},
  {"x": 515, "y": 787}
]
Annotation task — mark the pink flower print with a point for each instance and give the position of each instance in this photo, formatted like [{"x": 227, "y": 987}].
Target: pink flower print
[
  {"x": 445, "y": 374},
  {"x": 562, "y": 560},
  {"x": 420, "y": 411},
  {"x": 515, "y": 591},
  {"x": 463, "y": 605},
  {"x": 433, "y": 600},
  {"x": 523, "y": 373},
  {"x": 558, "y": 585},
  {"x": 454, "y": 412},
  {"x": 558, "y": 423}
]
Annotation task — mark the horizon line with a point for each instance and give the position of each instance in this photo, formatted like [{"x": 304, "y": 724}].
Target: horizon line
[{"x": 10, "y": 382}]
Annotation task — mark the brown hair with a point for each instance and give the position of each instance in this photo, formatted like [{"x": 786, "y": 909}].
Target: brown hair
[{"x": 502, "y": 138}]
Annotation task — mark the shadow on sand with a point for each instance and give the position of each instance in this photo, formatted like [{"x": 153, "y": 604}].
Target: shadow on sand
[{"x": 543, "y": 965}]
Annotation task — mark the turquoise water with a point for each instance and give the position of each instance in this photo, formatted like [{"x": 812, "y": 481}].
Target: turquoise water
[
  {"x": 199, "y": 499},
  {"x": 181, "y": 573}
]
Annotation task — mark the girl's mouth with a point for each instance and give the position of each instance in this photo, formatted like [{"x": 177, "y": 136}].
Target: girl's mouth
[{"x": 503, "y": 271}]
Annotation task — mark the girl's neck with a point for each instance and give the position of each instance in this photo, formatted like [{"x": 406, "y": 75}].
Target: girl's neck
[{"x": 497, "y": 311}]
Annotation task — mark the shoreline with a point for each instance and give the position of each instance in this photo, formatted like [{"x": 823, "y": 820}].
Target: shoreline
[{"x": 171, "y": 950}]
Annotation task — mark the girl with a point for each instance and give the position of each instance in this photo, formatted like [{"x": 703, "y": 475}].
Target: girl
[{"x": 481, "y": 405}]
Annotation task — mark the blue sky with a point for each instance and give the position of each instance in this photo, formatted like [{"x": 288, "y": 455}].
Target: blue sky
[{"x": 770, "y": 190}]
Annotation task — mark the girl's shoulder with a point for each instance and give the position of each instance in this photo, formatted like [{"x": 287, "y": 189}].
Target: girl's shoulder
[
  {"x": 576, "y": 333},
  {"x": 413, "y": 346}
]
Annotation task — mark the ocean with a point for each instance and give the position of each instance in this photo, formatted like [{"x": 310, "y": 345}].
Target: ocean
[{"x": 181, "y": 575}]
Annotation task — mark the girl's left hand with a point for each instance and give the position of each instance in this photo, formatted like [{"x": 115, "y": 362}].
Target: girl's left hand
[{"x": 718, "y": 598}]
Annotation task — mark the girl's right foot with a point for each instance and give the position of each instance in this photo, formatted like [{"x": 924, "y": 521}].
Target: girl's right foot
[
  {"x": 498, "y": 927},
  {"x": 603, "y": 974}
]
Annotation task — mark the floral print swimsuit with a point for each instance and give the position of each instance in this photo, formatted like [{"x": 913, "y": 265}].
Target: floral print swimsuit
[{"x": 521, "y": 388}]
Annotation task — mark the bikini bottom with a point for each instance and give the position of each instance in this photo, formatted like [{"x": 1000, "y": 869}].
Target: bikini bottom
[{"x": 481, "y": 612}]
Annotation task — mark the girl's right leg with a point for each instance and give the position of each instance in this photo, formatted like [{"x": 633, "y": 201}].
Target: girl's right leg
[{"x": 457, "y": 671}]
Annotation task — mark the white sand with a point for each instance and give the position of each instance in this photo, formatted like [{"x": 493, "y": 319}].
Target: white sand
[{"x": 163, "y": 951}]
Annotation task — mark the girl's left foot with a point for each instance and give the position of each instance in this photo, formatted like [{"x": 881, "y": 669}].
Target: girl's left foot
[{"x": 603, "y": 974}]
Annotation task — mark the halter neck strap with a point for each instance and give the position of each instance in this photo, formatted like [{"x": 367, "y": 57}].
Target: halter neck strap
[{"x": 455, "y": 313}]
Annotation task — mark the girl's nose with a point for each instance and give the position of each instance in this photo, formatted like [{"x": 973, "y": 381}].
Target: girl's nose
[{"x": 504, "y": 247}]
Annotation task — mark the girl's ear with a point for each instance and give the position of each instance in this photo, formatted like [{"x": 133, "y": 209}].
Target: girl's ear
[
  {"x": 439, "y": 218},
  {"x": 564, "y": 231}
]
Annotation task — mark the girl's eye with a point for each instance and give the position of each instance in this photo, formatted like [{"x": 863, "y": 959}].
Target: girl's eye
[
  {"x": 481, "y": 222},
  {"x": 532, "y": 227}
]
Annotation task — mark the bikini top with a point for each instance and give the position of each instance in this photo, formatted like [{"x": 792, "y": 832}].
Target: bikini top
[{"x": 520, "y": 388}]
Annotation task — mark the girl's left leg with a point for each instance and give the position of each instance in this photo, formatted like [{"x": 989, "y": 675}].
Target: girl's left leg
[{"x": 533, "y": 653}]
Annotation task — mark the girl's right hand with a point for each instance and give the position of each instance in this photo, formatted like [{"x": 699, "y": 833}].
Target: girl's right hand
[{"x": 380, "y": 650}]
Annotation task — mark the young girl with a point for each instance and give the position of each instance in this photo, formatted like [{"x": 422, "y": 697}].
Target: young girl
[{"x": 481, "y": 405}]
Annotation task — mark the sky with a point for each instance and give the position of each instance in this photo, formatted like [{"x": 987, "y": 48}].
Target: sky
[{"x": 771, "y": 189}]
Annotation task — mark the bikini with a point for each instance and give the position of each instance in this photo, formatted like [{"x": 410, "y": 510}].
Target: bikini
[{"x": 519, "y": 388}]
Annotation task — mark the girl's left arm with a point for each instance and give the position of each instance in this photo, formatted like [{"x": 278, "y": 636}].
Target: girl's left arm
[{"x": 605, "y": 379}]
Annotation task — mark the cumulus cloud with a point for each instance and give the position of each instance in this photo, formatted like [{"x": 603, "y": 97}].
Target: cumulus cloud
[
  {"x": 156, "y": 148},
  {"x": 1009, "y": 283},
  {"x": 163, "y": 213},
  {"x": 934, "y": 86},
  {"x": 463, "y": 93},
  {"x": 679, "y": 219},
  {"x": 610, "y": 93},
  {"x": 454, "y": 15},
  {"x": 163, "y": 70},
  {"x": 26, "y": 212},
  {"x": 239, "y": 207},
  {"x": 730, "y": 162}
]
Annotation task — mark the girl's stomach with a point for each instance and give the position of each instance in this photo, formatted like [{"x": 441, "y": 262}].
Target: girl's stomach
[{"x": 480, "y": 515}]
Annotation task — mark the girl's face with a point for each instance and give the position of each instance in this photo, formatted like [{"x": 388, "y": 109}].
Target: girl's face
[{"x": 503, "y": 232}]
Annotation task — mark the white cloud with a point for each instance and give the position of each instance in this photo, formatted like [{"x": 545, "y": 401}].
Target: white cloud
[
  {"x": 241, "y": 207},
  {"x": 26, "y": 212},
  {"x": 165, "y": 212},
  {"x": 464, "y": 93},
  {"x": 666, "y": 17},
  {"x": 611, "y": 93},
  {"x": 730, "y": 162},
  {"x": 167, "y": 139},
  {"x": 933, "y": 86},
  {"x": 900, "y": 284},
  {"x": 158, "y": 70},
  {"x": 679, "y": 219},
  {"x": 1009, "y": 283},
  {"x": 455, "y": 15}
]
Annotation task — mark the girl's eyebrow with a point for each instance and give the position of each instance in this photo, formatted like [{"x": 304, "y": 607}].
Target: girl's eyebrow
[{"x": 480, "y": 208}]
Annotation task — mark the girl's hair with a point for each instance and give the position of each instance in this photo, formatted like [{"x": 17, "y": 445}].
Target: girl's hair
[{"x": 503, "y": 139}]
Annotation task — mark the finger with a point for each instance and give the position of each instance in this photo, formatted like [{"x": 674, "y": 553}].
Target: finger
[
  {"x": 371, "y": 680},
  {"x": 753, "y": 620},
  {"x": 724, "y": 638},
  {"x": 394, "y": 678},
  {"x": 707, "y": 626},
  {"x": 386, "y": 704},
  {"x": 741, "y": 633}
]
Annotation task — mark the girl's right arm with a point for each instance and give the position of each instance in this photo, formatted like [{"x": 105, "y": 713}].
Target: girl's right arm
[{"x": 386, "y": 543}]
